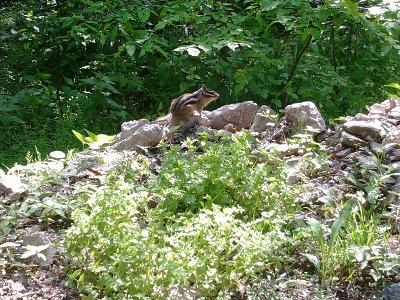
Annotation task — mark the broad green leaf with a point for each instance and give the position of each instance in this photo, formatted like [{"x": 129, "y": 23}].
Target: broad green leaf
[
  {"x": 79, "y": 136},
  {"x": 103, "y": 138},
  {"x": 68, "y": 80},
  {"x": 314, "y": 260},
  {"x": 143, "y": 15},
  {"x": 316, "y": 228},
  {"x": 102, "y": 38},
  {"x": 267, "y": 5},
  {"x": 92, "y": 135},
  {"x": 337, "y": 225},
  {"x": 393, "y": 85},
  {"x": 130, "y": 49}
]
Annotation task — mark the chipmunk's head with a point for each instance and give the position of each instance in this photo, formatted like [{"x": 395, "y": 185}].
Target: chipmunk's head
[{"x": 210, "y": 94}]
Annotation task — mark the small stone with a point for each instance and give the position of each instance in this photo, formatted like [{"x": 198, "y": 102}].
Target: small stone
[
  {"x": 11, "y": 184},
  {"x": 40, "y": 238},
  {"x": 343, "y": 153},
  {"x": 333, "y": 139},
  {"x": 129, "y": 128},
  {"x": 282, "y": 150},
  {"x": 394, "y": 114},
  {"x": 365, "y": 129},
  {"x": 264, "y": 117},
  {"x": 394, "y": 155},
  {"x": 363, "y": 117},
  {"x": 391, "y": 292},
  {"x": 57, "y": 154},
  {"x": 382, "y": 108},
  {"x": 305, "y": 117},
  {"x": 351, "y": 140},
  {"x": 369, "y": 161}
]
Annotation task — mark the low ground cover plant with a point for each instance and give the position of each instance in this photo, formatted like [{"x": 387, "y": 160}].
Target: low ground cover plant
[{"x": 214, "y": 220}]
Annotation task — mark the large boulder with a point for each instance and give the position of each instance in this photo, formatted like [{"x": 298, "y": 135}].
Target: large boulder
[
  {"x": 265, "y": 119},
  {"x": 240, "y": 115},
  {"x": 147, "y": 135},
  {"x": 304, "y": 117}
]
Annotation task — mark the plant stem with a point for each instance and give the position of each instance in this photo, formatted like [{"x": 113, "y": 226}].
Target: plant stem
[{"x": 296, "y": 62}]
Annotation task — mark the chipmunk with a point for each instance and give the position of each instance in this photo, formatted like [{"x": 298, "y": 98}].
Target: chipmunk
[{"x": 186, "y": 105}]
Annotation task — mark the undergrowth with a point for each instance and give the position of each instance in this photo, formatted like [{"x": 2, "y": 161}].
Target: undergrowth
[{"x": 213, "y": 220}]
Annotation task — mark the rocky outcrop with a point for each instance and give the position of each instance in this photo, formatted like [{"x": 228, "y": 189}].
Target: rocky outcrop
[{"x": 349, "y": 140}]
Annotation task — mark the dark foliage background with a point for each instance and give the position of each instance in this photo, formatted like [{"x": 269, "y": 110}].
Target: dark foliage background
[{"x": 94, "y": 64}]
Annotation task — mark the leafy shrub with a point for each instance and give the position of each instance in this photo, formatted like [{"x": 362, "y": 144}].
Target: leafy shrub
[
  {"x": 99, "y": 63},
  {"x": 226, "y": 174},
  {"x": 125, "y": 257},
  {"x": 182, "y": 231}
]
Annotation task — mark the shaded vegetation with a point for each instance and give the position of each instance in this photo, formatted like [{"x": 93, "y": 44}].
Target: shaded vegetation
[{"x": 93, "y": 64}]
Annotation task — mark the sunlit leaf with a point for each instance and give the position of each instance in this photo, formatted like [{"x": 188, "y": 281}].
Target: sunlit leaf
[{"x": 130, "y": 49}]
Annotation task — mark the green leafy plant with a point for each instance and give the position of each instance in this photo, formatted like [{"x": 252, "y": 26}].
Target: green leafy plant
[
  {"x": 93, "y": 140},
  {"x": 115, "y": 60}
]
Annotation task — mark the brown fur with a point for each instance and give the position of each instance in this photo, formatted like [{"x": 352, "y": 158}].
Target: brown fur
[{"x": 187, "y": 105}]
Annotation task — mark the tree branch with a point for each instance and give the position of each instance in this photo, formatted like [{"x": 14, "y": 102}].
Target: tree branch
[{"x": 298, "y": 57}]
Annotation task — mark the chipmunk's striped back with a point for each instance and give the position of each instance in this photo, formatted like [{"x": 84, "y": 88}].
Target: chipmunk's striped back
[{"x": 179, "y": 103}]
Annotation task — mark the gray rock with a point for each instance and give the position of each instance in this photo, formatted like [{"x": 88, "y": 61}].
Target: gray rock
[
  {"x": 57, "y": 155},
  {"x": 365, "y": 129},
  {"x": 382, "y": 108},
  {"x": 145, "y": 136},
  {"x": 350, "y": 140},
  {"x": 83, "y": 161},
  {"x": 129, "y": 128},
  {"x": 293, "y": 177},
  {"x": 11, "y": 184},
  {"x": 40, "y": 238},
  {"x": 240, "y": 115},
  {"x": 343, "y": 153},
  {"x": 95, "y": 163},
  {"x": 282, "y": 150},
  {"x": 333, "y": 139},
  {"x": 391, "y": 292},
  {"x": 264, "y": 117},
  {"x": 394, "y": 155},
  {"x": 363, "y": 117},
  {"x": 394, "y": 114},
  {"x": 305, "y": 117}
]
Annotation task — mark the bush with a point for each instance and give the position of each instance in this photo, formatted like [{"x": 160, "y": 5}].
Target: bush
[
  {"x": 103, "y": 62},
  {"x": 185, "y": 232}
]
